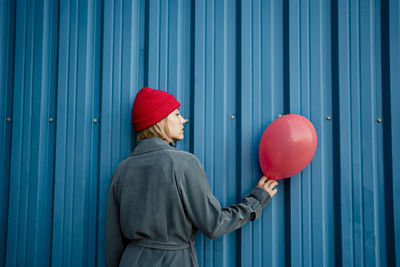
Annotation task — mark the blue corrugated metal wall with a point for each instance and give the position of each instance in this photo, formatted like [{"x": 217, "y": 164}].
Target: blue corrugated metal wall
[
  {"x": 7, "y": 36},
  {"x": 69, "y": 71}
]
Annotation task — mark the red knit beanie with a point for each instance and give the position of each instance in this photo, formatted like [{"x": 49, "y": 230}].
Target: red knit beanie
[{"x": 151, "y": 106}]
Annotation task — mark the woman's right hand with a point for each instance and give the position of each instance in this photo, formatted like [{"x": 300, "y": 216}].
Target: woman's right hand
[{"x": 268, "y": 185}]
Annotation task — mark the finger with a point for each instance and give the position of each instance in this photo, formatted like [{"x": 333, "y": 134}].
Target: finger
[
  {"x": 269, "y": 182},
  {"x": 273, "y": 192},
  {"x": 262, "y": 180},
  {"x": 270, "y": 186}
]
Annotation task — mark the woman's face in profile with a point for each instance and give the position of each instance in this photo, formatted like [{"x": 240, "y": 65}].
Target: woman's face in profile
[{"x": 175, "y": 124}]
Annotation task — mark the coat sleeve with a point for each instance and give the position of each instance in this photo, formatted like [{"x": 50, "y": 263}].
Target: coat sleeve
[
  {"x": 115, "y": 239},
  {"x": 204, "y": 210}
]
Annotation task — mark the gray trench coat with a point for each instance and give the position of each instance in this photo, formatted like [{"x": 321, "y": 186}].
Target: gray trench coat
[{"x": 158, "y": 198}]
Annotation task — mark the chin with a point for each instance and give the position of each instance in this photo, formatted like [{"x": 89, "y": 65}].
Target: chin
[{"x": 179, "y": 137}]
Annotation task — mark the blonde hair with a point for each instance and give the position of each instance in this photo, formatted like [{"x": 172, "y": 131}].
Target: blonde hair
[{"x": 160, "y": 129}]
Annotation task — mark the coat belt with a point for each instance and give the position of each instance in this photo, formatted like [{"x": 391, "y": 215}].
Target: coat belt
[
  {"x": 162, "y": 245},
  {"x": 147, "y": 243}
]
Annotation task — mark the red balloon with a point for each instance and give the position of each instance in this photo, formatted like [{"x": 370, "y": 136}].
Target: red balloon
[{"x": 287, "y": 146}]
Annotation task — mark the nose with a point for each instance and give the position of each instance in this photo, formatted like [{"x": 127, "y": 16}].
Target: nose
[{"x": 183, "y": 120}]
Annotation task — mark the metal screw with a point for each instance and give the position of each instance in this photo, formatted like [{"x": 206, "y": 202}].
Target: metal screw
[
  {"x": 328, "y": 117},
  {"x": 379, "y": 120},
  {"x": 232, "y": 116},
  {"x": 9, "y": 119},
  {"x": 94, "y": 120},
  {"x": 51, "y": 120}
]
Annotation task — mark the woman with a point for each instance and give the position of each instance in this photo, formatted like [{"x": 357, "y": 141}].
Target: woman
[{"x": 160, "y": 196}]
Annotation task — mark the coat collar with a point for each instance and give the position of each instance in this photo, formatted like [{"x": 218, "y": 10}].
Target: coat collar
[{"x": 150, "y": 144}]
